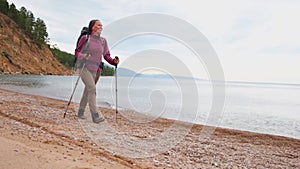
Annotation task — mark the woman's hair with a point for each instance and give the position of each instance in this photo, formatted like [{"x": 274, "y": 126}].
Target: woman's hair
[{"x": 91, "y": 24}]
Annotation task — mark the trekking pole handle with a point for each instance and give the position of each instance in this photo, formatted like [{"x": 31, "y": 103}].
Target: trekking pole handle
[{"x": 116, "y": 57}]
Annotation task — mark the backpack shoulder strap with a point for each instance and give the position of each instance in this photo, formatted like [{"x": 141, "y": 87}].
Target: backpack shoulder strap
[
  {"x": 103, "y": 41},
  {"x": 86, "y": 43},
  {"x": 87, "y": 40}
]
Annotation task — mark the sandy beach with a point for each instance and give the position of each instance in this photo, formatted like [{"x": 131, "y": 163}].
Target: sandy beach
[{"x": 35, "y": 136}]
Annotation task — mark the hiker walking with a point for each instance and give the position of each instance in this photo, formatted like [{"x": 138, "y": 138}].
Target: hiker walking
[{"x": 89, "y": 51}]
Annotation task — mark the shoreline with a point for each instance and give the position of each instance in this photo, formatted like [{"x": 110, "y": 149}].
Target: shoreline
[
  {"x": 36, "y": 121},
  {"x": 222, "y": 127}
]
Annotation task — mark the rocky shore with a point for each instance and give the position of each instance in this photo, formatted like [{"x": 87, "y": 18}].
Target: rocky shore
[{"x": 34, "y": 135}]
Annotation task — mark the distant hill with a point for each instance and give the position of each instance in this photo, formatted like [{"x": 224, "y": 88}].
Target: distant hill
[
  {"x": 131, "y": 73},
  {"x": 18, "y": 54},
  {"x": 125, "y": 72}
]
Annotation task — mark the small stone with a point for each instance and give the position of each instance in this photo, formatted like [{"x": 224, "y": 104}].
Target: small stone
[
  {"x": 215, "y": 164},
  {"x": 156, "y": 164},
  {"x": 166, "y": 153}
]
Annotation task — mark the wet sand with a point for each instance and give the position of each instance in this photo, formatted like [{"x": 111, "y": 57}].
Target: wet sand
[{"x": 34, "y": 135}]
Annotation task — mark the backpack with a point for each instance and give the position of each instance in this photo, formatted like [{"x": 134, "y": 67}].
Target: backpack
[{"x": 85, "y": 31}]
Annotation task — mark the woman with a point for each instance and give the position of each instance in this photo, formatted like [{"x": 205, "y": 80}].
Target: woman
[{"x": 89, "y": 50}]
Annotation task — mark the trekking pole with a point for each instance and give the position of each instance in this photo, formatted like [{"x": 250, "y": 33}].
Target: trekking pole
[
  {"x": 74, "y": 89},
  {"x": 116, "y": 83}
]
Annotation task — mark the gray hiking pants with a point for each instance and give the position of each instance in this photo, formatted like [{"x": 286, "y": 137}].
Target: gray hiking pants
[{"x": 89, "y": 93}]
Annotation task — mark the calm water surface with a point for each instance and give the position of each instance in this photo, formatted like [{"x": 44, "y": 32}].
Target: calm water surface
[{"x": 263, "y": 108}]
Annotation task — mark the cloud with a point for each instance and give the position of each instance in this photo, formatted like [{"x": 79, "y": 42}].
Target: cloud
[{"x": 252, "y": 38}]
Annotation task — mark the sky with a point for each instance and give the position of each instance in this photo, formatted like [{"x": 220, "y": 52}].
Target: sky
[{"x": 255, "y": 40}]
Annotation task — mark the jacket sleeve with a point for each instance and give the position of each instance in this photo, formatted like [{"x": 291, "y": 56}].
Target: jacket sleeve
[
  {"x": 106, "y": 54},
  {"x": 78, "y": 53}
]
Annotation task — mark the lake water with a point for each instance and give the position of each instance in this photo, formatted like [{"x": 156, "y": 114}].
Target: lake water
[{"x": 259, "y": 107}]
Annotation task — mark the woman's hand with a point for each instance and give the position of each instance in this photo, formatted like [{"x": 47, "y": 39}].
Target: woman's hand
[
  {"x": 116, "y": 60},
  {"x": 86, "y": 56}
]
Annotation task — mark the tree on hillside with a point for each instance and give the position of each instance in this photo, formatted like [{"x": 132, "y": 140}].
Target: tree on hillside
[
  {"x": 107, "y": 71},
  {"x": 13, "y": 12},
  {"x": 29, "y": 23},
  {"x": 26, "y": 20},
  {"x": 65, "y": 58},
  {"x": 21, "y": 18},
  {"x": 35, "y": 29},
  {"x": 39, "y": 33},
  {"x": 4, "y": 7}
]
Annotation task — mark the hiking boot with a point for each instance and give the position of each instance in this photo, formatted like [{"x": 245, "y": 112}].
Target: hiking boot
[
  {"x": 96, "y": 118},
  {"x": 81, "y": 114}
]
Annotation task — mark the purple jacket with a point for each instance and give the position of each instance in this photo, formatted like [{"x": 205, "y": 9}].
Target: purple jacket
[{"x": 95, "y": 48}]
